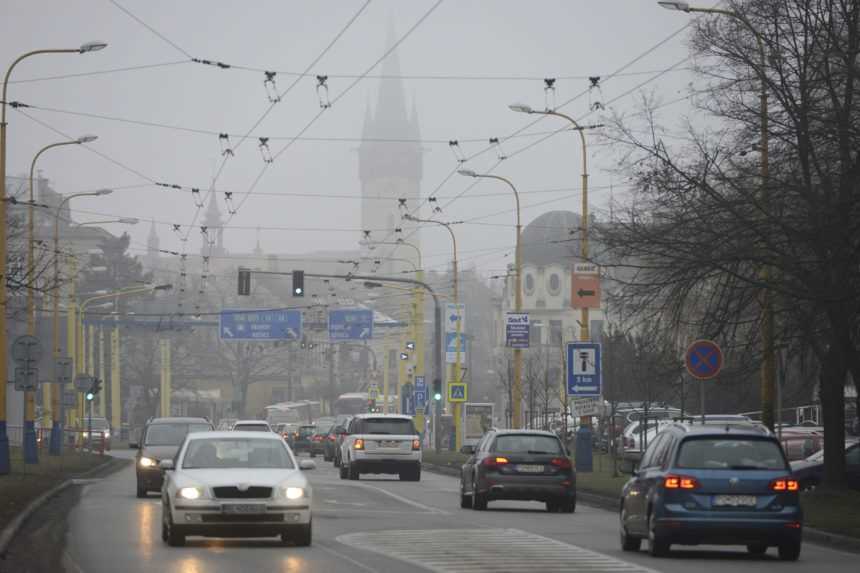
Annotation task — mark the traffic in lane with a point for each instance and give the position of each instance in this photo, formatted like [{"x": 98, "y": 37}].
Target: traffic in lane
[{"x": 383, "y": 524}]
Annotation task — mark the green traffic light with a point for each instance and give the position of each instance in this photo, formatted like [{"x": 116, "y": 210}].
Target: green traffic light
[
  {"x": 89, "y": 396},
  {"x": 437, "y": 396}
]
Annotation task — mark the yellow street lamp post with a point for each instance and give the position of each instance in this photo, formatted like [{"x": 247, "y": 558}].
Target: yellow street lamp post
[
  {"x": 517, "y": 383},
  {"x": 768, "y": 367},
  {"x": 4, "y": 342},
  {"x": 57, "y": 403}
]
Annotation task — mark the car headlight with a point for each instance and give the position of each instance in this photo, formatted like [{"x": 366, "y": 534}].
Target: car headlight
[
  {"x": 190, "y": 493},
  {"x": 147, "y": 462},
  {"x": 106, "y": 434},
  {"x": 294, "y": 492}
]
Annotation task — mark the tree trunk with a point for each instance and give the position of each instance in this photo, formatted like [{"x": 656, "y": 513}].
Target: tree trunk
[{"x": 832, "y": 394}]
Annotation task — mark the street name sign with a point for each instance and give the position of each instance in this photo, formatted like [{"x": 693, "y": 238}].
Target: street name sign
[
  {"x": 350, "y": 324},
  {"x": 517, "y": 330},
  {"x": 704, "y": 359},
  {"x": 260, "y": 325},
  {"x": 584, "y": 376}
]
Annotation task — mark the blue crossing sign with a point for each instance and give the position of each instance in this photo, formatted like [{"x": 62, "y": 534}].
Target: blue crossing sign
[
  {"x": 350, "y": 324},
  {"x": 260, "y": 325},
  {"x": 584, "y": 376},
  {"x": 457, "y": 392}
]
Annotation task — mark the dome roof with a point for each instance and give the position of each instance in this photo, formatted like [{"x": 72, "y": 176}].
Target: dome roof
[{"x": 548, "y": 239}]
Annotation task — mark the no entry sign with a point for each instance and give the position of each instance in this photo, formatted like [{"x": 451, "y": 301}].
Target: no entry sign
[{"x": 704, "y": 359}]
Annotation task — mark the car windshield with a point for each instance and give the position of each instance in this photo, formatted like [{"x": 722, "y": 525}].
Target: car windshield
[
  {"x": 527, "y": 444},
  {"x": 730, "y": 453},
  {"x": 98, "y": 424},
  {"x": 395, "y": 426},
  {"x": 171, "y": 434},
  {"x": 306, "y": 431},
  {"x": 251, "y": 428},
  {"x": 236, "y": 453}
]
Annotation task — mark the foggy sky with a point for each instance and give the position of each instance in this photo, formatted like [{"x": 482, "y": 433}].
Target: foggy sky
[{"x": 512, "y": 38}]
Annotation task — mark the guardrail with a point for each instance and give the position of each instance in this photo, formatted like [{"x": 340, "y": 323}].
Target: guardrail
[{"x": 72, "y": 437}]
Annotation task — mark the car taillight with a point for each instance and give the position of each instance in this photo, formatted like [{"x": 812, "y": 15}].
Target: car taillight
[
  {"x": 358, "y": 444},
  {"x": 785, "y": 484},
  {"x": 416, "y": 445},
  {"x": 330, "y": 437},
  {"x": 494, "y": 461},
  {"x": 563, "y": 463},
  {"x": 680, "y": 482}
]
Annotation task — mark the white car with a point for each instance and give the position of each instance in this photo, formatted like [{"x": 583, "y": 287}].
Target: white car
[
  {"x": 381, "y": 444},
  {"x": 251, "y": 426},
  {"x": 236, "y": 484}
]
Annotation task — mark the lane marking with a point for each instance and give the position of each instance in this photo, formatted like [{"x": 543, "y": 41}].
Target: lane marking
[
  {"x": 399, "y": 498},
  {"x": 346, "y": 558},
  {"x": 485, "y": 551}
]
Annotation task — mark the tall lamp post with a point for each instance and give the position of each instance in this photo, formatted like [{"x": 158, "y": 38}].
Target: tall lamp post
[
  {"x": 458, "y": 422},
  {"x": 4, "y": 342},
  {"x": 31, "y": 453},
  {"x": 768, "y": 367},
  {"x": 57, "y": 403},
  {"x": 517, "y": 390}
]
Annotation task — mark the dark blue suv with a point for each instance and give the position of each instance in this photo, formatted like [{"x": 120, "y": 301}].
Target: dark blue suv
[{"x": 721, "y": 485}]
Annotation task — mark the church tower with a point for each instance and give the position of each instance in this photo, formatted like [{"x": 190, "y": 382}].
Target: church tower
[
  {"x": 390, "y": 166},
  {"x": 152, "y": 247},
  {"x": 214, "y": 230}
]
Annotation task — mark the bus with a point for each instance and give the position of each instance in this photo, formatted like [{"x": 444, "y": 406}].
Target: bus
[
  {"x": 303, "y": 411},
  {"x": 351, "y": 403}
]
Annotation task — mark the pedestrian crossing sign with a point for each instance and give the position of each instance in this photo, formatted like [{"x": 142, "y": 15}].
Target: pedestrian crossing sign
[{"x": 457, "y": 392}]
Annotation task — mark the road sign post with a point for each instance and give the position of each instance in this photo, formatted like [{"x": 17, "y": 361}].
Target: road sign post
[
  {"x": 260, "y": 325},
  {"x": 704, "y": 360},
  {"x": 350, "y": 324}
]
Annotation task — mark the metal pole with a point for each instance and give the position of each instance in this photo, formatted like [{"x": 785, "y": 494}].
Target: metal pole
[{"x": 702, "y": 399}]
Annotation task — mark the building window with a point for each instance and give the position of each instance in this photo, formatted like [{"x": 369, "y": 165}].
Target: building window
[
  {"x": 555, "y": 332},
  {"x": 554, "y": 284},
  {"x": 535, "y": 337},
  {"x": 529, "y": 284}
]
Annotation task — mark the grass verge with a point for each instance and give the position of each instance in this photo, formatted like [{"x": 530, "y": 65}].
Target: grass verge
[
  {"x": 836, "y": 511},
  {"x": 26, "y": 482}
]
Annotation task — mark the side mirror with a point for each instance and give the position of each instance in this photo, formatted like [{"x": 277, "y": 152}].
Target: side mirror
[
  {"x": 340, "y": 431},
  {"x": 468, "y": 450},
  {"x": 165, "y": 465},
  {"x": 307, "y": 465}
]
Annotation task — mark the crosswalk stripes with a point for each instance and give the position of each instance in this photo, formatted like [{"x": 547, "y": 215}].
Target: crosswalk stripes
[{"x": 486, "y": 550}]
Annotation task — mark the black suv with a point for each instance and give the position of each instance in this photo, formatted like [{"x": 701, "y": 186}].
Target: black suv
[
  {"x": 518, "y": 465},
  {"x": 160, "y": 440},
  {"x": 720, "y": 485}
]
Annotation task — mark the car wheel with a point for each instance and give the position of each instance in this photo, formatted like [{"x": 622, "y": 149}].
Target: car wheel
[
  {"x": 343, "y": 474},
  {"x": 353, "y": 473},
  {"x": 569, "y": 506},
  {"x": 789, "y": 550},
  {"x": 303, "y": 539},
  {"x": 628, "y": 542},
  {"x": 415, "y": 474},
  {"x": 164, "y": 532},
  {"x": 174, "y": 537},
  {"x": 465, "y": 500},
  {"x": 552, "y": 506},
  {"x": 756, "y": 548},
  {"x": 479, "y": 501},
  {"x": 658, "y": 546},
  {"x": 313, "y": 454},
  {"x": 141, "y": 491}
]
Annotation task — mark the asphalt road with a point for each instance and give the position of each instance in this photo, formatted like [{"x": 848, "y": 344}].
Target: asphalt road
[{"x": 382, "y": 525}]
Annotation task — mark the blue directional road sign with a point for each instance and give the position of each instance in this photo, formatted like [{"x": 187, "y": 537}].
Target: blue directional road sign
[
  {"x": 420, "y": 383},
  {"x": 420, "y": 398},
  {"x": 260, "y": 325},
  {"x": 584, "y": 376},
  {"x": 350, "y": 324},
  {"x": 451, "y": 348}
]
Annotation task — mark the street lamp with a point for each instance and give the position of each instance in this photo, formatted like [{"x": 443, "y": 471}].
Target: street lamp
[
  {"x": 768, "y": 371},
  {"x": 516, "y": 407},
  {"x": 29, "y": 455},
  {"x": 30, "y": 451},
  {"x": 57, "y": 404}
]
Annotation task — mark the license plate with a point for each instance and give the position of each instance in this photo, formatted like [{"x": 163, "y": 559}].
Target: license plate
[
  {"x": 244, "y": 508},
  {"x": 530, "y": 469},
  {"x": 735, "y": 500},
  {"x": 390, "y": 444}
]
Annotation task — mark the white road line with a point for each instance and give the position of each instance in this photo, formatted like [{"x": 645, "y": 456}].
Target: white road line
[
  {"x": 485, "y": 551},
  {"x": 346, "y": 558},
  {"x": 399, "y": 498}
]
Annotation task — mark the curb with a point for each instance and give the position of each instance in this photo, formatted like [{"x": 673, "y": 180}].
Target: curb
[
  {"x": 14, "y": 526},
  {"x": 609, "y": 503}
]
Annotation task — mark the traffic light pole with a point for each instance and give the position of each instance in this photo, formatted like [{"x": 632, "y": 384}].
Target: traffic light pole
[{"x": 437, "y": 328}]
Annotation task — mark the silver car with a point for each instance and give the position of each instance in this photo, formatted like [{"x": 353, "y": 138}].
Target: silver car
[{"x": 236, "y": 484}]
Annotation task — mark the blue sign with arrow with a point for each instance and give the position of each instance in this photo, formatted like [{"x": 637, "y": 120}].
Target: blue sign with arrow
[
  {"x": 260, "y": 325},
  {"x": 420, "y": 398},
  {"x": 584, "y": 376},
  {"x": 350, "y": 324}
]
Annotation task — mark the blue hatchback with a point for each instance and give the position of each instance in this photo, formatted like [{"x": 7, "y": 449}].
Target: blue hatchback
[{"x": 720, "y": 485}]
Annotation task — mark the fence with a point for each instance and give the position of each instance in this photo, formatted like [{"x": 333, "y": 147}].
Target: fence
[{"x": 78, "y": 439}]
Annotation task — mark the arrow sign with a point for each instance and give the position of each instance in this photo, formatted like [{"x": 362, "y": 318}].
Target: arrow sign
[
  {"x": 584, "y": 376},
  {"x": 455, "y": 313},
  {"x": 260, "y": 325},
  {"x": 350, "y": 324},
  {"x": 583, "y": 293}
]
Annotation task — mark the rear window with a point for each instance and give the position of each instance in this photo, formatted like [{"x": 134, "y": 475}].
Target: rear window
[
  {"x": 171, "y": 434},
  {"x": 527, "y": 443},
  {"x": 392, "y": 426},
  {"x": 306, "y": 430},
  {"x": 731, "y": 454},
  {"x": 250, "y": 428}
]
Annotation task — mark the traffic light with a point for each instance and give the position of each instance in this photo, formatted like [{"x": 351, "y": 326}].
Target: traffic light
[
  {"x": 371, "y": 405},
  {"x": 244, "y": 282},
  {"x": 95, "y": 388},
  {"x": 437, "y": 390},
  {"x": 298, "y": 283}
]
